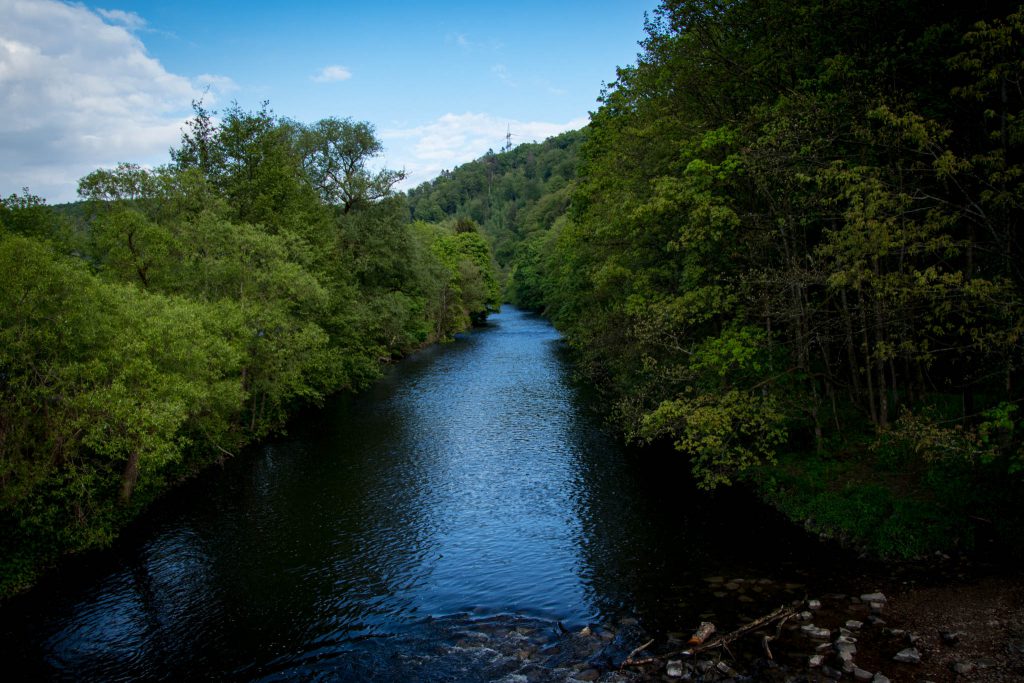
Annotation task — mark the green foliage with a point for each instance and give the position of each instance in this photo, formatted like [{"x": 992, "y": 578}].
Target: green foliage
[{"x": 182, "y": 312}]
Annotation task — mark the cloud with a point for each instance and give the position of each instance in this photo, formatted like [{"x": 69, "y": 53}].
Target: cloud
[
  {"x": 332, "y": 73},
  {"x": 219, "y": 85},
  {"x": 79, "y": 93},
  {"x": 130, "y": 20},
  {"x": 453, "y": 139}
]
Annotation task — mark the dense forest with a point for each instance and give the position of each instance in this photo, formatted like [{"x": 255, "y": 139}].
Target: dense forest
[
  {"x": 788, "y": 245},
  {"x": 175, "y": 315},
  {"x": 794, "y": 251}
]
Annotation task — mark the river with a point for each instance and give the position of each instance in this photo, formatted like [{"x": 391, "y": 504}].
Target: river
[{"x": 474, "y": 484}]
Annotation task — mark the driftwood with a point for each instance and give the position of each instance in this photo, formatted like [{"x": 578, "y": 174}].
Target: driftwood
[
  {"x": 780, "y": 615},
  {"x": 629, "y": 661}
]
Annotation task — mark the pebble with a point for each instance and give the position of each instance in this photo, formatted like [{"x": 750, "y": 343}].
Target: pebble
[
  {"x": 674, "y": 668},
  {"x": 815, "y": 661},
  {"x": 908, "y": 656},
  {"x": 879, "y": 678},
  {"x": 872, "y": 597},
  {"x": 854, "y": 625},
  {"x": 804, "y": 616},
  {"x": 816, "y": 631},
  {"x": 962, "y": 667},
  {"x": 862, "y": 674},
  {"x": 814, "y": 604}
]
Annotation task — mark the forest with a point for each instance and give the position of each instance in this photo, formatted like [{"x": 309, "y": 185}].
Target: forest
[
  {"x": 794, "y": 253},
  {"x": 175, "y": 315}
]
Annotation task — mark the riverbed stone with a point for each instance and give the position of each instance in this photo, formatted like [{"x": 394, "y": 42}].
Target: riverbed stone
[
  {"x": 587, "y": 675},
  {"x": 962, "y": 667},
  {"x": 816, "y": 632},
  {"x": 854, "y": 625},
  {"x": 815, "y": 661},
  {"x": 910, "y": 655},
  {"x": 674, "y": 668},
  {"x": 880, "y": 678},
  {"x": 873, "y": 597},
  {"x": 862, "y": 674}
]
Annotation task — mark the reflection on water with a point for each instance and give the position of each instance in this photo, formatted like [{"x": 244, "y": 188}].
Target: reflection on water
[{"x": 470, "y": 481}]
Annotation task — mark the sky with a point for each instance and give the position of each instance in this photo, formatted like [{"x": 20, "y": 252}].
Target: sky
[{"x": 85, "y": 86}]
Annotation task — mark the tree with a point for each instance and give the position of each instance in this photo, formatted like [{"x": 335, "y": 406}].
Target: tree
[{"x": 335, "y": 155}]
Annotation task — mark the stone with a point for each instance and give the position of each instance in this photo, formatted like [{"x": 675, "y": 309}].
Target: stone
[
  {"x": 804, "y": 616},
  {"x": 872, "y": 597},
  {"x": 950, "y": 637},
  {"x": 880, "y": 678},
  {"x": 962, "y": 667},
  {"x": 703, "y": 665},
  {"x": 745, "y": 598},
  {"x": 732, "y": 585},
  {"x": 814, "y": 604},
  {"x": 588, "y": 675},
  {"x": 985, "y": 663},
  {"x": 876, "y": 606},
  {"x": 830, "y": 672},
  {"x": 817, "y": 632},
  {"x": 844, "y": 656},
  {"x": 585, "y": 631},
  {"x": 912, "y": 638},
  {"x": 726, "y": 670},
  {"x": 908, "y": 656},
  {"x": 846, "y": 648},
  {"x": 815, "y": 661},
  {"x": 854, "y": 625},
  {"x": 862, "y": 674},
  {"x": 674, "y": 668}
]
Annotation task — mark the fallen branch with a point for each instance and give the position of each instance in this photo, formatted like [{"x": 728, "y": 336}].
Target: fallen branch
[
  {"x": 782, "y": 613},
  {"x": 629, "y": 661},
  {"x": 778, "y": 632}
]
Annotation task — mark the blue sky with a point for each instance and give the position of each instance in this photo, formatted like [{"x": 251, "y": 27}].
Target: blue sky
[{"x": 84, "y": 86}]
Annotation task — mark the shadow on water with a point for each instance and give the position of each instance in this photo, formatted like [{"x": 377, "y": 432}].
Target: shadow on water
[{"x": 472, "y": 481}]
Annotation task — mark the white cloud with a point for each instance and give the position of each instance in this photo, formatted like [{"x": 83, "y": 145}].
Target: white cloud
[
  {"x": 78, "y": 93},
  {"x": 453, "y": 139},
  {"x": 332, "y": 73},
  {"x": 130, "y": 20}
]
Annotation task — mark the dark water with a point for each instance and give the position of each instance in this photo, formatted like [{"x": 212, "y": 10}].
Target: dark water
[{"x": 471, "y": 485}]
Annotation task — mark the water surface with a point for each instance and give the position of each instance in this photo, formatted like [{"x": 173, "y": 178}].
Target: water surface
[{"x": 474, "y": 480}]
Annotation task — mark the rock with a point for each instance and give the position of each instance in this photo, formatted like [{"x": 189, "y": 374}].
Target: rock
[
  {"x": 846, "y": 648},
  {"x": 745, "y": 598},
  {"x": 703, "y": 665},
  {"x": 879, "y": 678},
  {"x": 715, "y": 579},
  {"x": 908, "y": 656},
  {"x": 854, "y": 625},
  {"x": 674, "y": 668},
  {"x": 804, "y": 616},
  {"x": 861, "y": 674},
  {"x": 585, "y": 631},
  {"x": 950, "y": 637},
  {"x": 912, "y": 638},
  {"x": 962, "y": 667},
  {"x": 813, "y": 631},
  {"x": 814, "y": 604},
  {"x": 588, "y": 675},
  {"x": 815, "y": 661},
  {"x": 872, "y": 597},
  {"x": 876, "y": 606},
  {"x": 831, "y": 673},
  {"x": 985, "y": 663},
  {"x": 824, "y": 647},
  {"x": 732, "y": 585},
  {"x": 726, "y": 670},
  {"x": 844, "y": 656}
]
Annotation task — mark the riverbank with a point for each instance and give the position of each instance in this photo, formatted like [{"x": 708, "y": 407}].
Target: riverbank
[{"x": 950, "y": 634}]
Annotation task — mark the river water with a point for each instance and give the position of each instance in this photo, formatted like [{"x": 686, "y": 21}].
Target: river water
[{"x": 473, "y": 484}]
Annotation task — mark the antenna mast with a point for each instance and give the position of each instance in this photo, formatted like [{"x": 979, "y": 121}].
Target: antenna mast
[{"x": 508, "y": 138}]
